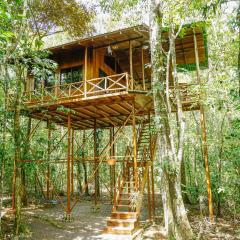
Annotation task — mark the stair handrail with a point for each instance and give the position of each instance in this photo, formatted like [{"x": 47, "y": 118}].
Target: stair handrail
[{"x": 119, "y": 183}]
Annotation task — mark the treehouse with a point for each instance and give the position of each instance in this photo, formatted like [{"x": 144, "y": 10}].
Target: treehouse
[{"x": 104, "y": 81}]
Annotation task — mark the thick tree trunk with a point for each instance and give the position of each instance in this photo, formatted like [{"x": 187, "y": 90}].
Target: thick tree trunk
[{"x": 169, "y": 153}]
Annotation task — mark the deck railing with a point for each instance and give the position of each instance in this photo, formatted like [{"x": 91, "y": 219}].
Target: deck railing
[
  {"x": 96, "y": 87},
  {"x": 189, "y": 93},
  {"x": 92, "y": 87}
]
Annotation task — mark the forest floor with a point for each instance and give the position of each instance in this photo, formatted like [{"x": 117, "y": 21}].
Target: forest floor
[{"x": 45, "y": 222}]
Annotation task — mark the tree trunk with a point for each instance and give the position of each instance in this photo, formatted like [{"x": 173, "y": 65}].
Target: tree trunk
[
  {"x": 169, "y": 153},
  {"x": 4, "y": 71}
]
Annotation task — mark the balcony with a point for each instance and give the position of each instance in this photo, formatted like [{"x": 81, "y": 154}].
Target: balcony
[
  {"x": 92, "y": 88},
  {"x": 104, "y": 87}
]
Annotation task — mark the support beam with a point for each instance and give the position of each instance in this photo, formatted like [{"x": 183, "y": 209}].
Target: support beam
[
  {"x": 95, "y": 162},
  {"x": 111, "y": 167},
  {"x": 48, "y": 161},
  {"x": 204, "y": 134},
  {"x": 72, "y": 163},
  {"x": 85, "y": 71},
  {"x": 134, "y": 135},
  {"x": 143, "y": 70},
  {"x": 131, "y": 63},
  {"x": 68, "y": 213}
]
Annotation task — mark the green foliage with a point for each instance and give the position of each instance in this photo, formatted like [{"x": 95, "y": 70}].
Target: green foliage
[{"x": 72, "y": 16}]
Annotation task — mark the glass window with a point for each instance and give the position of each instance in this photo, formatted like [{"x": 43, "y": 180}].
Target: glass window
[{"x": 71, "y": 75}]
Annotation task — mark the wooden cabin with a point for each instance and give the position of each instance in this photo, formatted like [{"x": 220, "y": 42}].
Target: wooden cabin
[
  {"x": 111, "y": 68},
  {"x": 104, "y": 81}
]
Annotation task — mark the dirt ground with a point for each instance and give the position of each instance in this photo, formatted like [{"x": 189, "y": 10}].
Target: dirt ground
[{"x": 45, "y": 222}]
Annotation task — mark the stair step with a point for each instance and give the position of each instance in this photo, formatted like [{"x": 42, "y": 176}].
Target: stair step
[
  {"x": 123, "y": 205},
  {"x": 124, "y": 215},
  {"x": 122, "y": 222},
  {"x": 124, "y": 201},
  {"x": 120, "y": 230}
]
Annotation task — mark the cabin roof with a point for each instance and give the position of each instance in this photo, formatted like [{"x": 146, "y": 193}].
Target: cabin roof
[
  {"x": 139, "y": 32},
  {"x": 139, "y": 35}
]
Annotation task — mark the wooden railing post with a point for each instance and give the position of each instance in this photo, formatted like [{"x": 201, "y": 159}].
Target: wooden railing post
[
  {"x": 105, "y": 83},
  {"x": 85, "y": 71},
  {"x": 127, "y": 81},
  {"x": 130, "y": 61}
]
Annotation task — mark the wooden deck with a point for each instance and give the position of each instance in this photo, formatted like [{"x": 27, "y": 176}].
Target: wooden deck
[{"x": 108, "y": 100}]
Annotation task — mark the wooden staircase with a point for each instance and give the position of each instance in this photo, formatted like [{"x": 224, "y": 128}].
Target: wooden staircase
[{"x": 126, "y": 210}]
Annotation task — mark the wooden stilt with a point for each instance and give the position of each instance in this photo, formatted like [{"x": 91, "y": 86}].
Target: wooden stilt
[
  {"x": 113, "y": 153},
  {"x": 134, "y": 147},
  {"x": 143, "y": 70},
  {"x": 85, "y": 71},
  {"x": 48, "y": 164},
  {"x": 204, "y": 135},
  {"x": 69, "y": 170},
  {"x": 111, "y": 167},
  {"x": 131, "y": 63},
  {"x": 95, "y": 162},
  {"x": 72, "y": 163}
]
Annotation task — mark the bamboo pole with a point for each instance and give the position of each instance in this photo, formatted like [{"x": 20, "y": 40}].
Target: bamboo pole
[
  {"x": 131, "y": 63},
  {"x": 204, "y": 134},
  {"x": 143, "y": 70},
  {"x": 111, "y": 167},
  {"x": 113, "y": 153},
  {"x": 95, "y": 161},
  {"x": 134, "y": 135},
  {"x": 48, "y": 164},
  {"x": 85, "y": 71},
  {"x": 69, "y": 169},
  {"x": 72, "y": 163}
]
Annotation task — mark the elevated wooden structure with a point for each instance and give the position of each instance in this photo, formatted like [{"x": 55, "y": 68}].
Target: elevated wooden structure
[{"x": 104, "y": 81}]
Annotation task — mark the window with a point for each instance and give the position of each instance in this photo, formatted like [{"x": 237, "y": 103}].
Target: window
[{"x": 71, "y": 75}]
